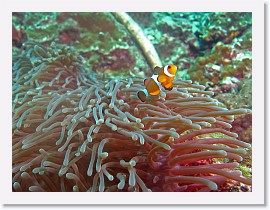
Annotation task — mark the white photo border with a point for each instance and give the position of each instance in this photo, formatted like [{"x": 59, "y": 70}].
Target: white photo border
[{"x": 257, "y": 196}]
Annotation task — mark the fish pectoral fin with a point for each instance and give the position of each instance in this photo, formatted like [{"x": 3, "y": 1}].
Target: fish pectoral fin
[
  {"x": 168, "y": 86},
  {"x": 161, "y": 78}
]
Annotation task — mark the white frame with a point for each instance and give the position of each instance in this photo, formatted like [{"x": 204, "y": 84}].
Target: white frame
[{"x": 257, "y": 196}]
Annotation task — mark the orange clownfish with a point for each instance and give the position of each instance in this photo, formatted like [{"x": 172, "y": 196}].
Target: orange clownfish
[{"x": 163, "y": 77}]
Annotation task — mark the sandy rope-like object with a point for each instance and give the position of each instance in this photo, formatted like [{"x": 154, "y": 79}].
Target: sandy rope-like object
[{"x": 148, "y": 49}]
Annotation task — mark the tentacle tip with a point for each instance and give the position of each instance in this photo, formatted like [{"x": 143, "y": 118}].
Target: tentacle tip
[
  {"x": 167, "y": 147},
  {"x": 68, "y": 175},
  {"x": 111, "y": 178},
  {"x": 24, "y": 174},
  {"x": 138, "y": 120},
  {"x": 213, "y": 186}
]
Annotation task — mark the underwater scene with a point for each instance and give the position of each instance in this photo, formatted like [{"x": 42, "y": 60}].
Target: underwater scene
[{"x": 132, "y": 102}]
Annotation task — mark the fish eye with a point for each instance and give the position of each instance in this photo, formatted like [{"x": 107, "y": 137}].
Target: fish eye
[{"x": 169, "y": 67}]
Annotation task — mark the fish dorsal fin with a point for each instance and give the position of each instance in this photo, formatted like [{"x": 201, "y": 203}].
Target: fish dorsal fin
[{"x": 157, "y": 69}]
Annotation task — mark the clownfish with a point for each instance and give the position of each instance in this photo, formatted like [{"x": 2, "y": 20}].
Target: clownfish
[{"x": 163, "y": 77}]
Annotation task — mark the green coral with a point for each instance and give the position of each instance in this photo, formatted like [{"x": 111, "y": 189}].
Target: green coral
[
  {"x": 246, "y": 165},
  {"x": 41, "y": 27},
  {"x": 102, "y": 42},
  {"x": 245, "y": 170}
]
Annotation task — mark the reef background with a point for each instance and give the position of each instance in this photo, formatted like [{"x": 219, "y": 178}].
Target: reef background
[{"x": 212, "y": 49}]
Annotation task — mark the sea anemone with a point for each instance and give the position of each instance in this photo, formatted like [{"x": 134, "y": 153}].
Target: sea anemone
[{"x": 73, "y": 131}]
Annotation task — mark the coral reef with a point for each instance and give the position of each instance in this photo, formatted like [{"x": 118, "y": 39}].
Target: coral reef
[
  {"x": 224, "y": 60},
  {"x": 74, "y": 131},
  {"x": 208, "y": 46},
  {"x": 116, "y": 61},
  {"x": 18, "y": 37},
  {"x": 97, "y": 31},
  {"x": 101, "y": 40},
  {"x": 145, "y": 44},
  {"x": 95, "y": 35},
  {"x": 171, "y": 34},
  {"x": 236, "y": 98},
  {"x": 205, "y": 46},
  {"x": 222, "y": 26},
  {"x": 41, "y": 27},
  {"x": 242, "y": 125}
]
